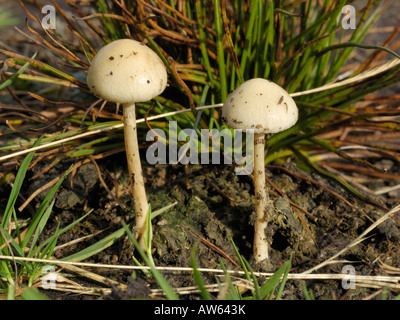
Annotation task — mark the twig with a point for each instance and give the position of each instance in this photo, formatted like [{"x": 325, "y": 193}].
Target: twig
[
  {"x": 214, "y": 247},
  {"x": 360, "y": 238},
  {"x": 314, "y": 182},
  {"x": 370, "y": 281}
]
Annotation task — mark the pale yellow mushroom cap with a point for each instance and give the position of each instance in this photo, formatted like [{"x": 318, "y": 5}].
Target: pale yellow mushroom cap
[
  {"x": 261, "y": 105},
  {"x": 126, "y": 71}
]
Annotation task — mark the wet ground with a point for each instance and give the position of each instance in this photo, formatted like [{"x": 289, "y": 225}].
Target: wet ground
[{"x": 213, "y": 207}]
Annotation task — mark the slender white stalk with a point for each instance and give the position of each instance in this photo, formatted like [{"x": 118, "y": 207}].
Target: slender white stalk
[
  {"x": 135, "y": 171},
  {"x": 260, "y": 244}
]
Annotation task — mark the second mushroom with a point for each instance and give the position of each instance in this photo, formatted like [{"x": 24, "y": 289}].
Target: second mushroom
[
  {"x": 126, "y": 71},
  {"x": 266, "y": 108}
]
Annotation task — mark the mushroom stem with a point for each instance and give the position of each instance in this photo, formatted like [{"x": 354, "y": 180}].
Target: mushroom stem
[
  {"x": 135, "y": 171},
  {"x": 260, "y": 245}
]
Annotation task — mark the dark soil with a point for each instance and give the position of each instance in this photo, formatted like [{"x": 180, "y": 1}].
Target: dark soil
[{"x": 215, "y": 205}]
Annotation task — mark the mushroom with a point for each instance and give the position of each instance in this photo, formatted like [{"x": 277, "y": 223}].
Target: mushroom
[
  {"x": 266, "y": 108},
  {"x": 127, "y": 71}
]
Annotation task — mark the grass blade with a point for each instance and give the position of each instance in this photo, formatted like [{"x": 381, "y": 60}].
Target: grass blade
[
  {"x": 97, "y": 247},
  {"x": 42, "y": 210},
  {"x": 269, "y": 287},
  {"x": 19, "y": 179},
  {"x": 15, "y": 75},
  {"x": 168, "y": 291},
  {"x": 198, "y": 278}
]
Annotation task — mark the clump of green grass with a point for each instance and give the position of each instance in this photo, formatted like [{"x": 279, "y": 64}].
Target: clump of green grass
[
  {"x": 23, "y": 239},
  {"x": 269, "y": 290}
]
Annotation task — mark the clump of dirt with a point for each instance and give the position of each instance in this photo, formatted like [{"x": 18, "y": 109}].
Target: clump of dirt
[{"x": 215, "y": 207}]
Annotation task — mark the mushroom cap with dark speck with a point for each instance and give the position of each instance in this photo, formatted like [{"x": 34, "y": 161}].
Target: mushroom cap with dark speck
[
  {"x": 261, "y": 105},
  {"x": 126, "y": 71}
]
